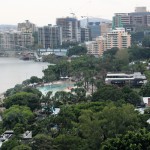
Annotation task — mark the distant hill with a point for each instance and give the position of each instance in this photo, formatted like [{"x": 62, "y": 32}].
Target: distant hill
[
  {"x": 6, "y": 27},
  {"x": 83, "y": 22}
]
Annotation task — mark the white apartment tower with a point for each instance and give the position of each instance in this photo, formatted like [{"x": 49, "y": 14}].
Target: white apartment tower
[
  {"x": 16, "y": 40},
  {"x": 70, "y": 29}
]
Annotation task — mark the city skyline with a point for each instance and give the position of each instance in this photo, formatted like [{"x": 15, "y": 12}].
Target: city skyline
[{"x": 46, "y": 11}]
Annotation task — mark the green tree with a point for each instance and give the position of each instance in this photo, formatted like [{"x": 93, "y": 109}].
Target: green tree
[
  {"x": 80, "y": 94},
  {"x": 138, "y": 53},
  {"x": 65, "y": 118},
  {"x": 42, "y": 142},
  {"x": 138, "y": 67},
  {"x": 16, "y": 114},
  {"x": 10, "y": 144},
  {"x": 123, "y": 56},
  {"x": 22, "y": 147},
  {"x": 77, "y": 50},
  {"x": 69, "y": 142},
  {"x": 35, "y": 79},
  {"x": 23, "y": 99},
  {"x": 145, "y": 90},
  {"x": 49, "y": 103},
  {"x": 62, "y": 96},
  {"x": 132, "y": 140},
  {"x": 90, "y": 129},
  {"x": 49, "y": 75},
  {"x": 26, "y": 82},
  {"x": 19, "y": 129},
  {"x": 112, "y": 52},
  {"x": 146, "y": 41},
  {"x": 107, "y": 92},
  {"x": 68, "y": 44},
  {"x": 14, "y": 90},
  {"x": 96, "y": 127},
  {"x": 32, "y": 90},
  {"x": 131, "y": 96}
]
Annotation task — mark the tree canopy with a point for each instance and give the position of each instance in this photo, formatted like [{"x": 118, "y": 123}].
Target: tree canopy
[
  {"x": 23, "y": 99},
  {"x": 132, "y": 140},
  {"x": 16, "y": 114},
  {"x": 77, "y": 50}
]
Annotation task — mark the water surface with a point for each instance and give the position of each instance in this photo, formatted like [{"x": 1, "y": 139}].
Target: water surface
[{"x": 13, "y": 71}]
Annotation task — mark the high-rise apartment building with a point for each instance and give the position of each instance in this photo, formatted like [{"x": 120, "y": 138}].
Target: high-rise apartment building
[
  {"x": 50, "y": 36},
  {"x": 120, "y": 20},
  {"x": 95, "y": 29},
  {"x": 85, "y": 34},
  {"x": 105, "y": 28},
  {"x": 27, "y": 27},
  {"x": 16, "y": 40},
  {"x": 96, "y": 47},
  {"x": 70, "y": 29},
  {"x": 132, "y": 21},
  {"x": 118, "y": 38},
  {"x": 115, "y": 38}
]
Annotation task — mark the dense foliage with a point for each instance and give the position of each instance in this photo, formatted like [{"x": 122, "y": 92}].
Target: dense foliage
[
  {"x": 92, "y": 116},
  {"x": 23, "y": 99},
  {"x": 130, "y": 141},
  {"x": 17, "y": 115},
  {"x": 139, "y": 53},
  {"x": 77, "y": 50},
  {"x": 53, "y": 59}
]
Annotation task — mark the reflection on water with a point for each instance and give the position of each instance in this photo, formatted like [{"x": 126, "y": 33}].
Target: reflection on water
[{"x": 13, "y": 71}]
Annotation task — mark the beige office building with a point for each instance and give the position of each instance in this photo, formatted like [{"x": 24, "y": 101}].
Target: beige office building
[
  {"x": 96, "y": 47},
  {"x": 118, "y": 38},
  {"x": 105, "y": 28},
  {"x": 115, "y": 38},
  {"x": 27, "y": 27},
  {"x": 16, "y": 40}
]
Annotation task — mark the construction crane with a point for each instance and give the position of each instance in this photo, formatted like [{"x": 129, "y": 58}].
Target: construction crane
[
  {"x": 73, "y": 14},
  {"x": 87, "y": 20}
]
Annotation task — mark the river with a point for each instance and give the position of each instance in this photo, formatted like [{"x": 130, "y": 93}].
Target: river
[{"x": 13, "y": 71}]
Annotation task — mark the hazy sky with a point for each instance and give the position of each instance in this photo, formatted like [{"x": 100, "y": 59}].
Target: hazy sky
[{"x": 43, "y": 12}]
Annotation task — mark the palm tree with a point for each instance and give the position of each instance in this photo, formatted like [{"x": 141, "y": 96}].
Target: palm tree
[
  {"x": 61, "y": 96},
  {"x": 48, "y": 102},
  {"x": 80, "y": 94},
  {"x": 92, "y": 81}
]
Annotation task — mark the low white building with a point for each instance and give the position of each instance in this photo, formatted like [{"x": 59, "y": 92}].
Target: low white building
[
  {"x": 6, "y": 136},
  {"x": 135, "y": 79},
  {"x": 27, "y": 135}
]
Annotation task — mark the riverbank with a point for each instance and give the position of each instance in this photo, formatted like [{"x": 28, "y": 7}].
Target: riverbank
[{"x": 2, "y": 97}]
